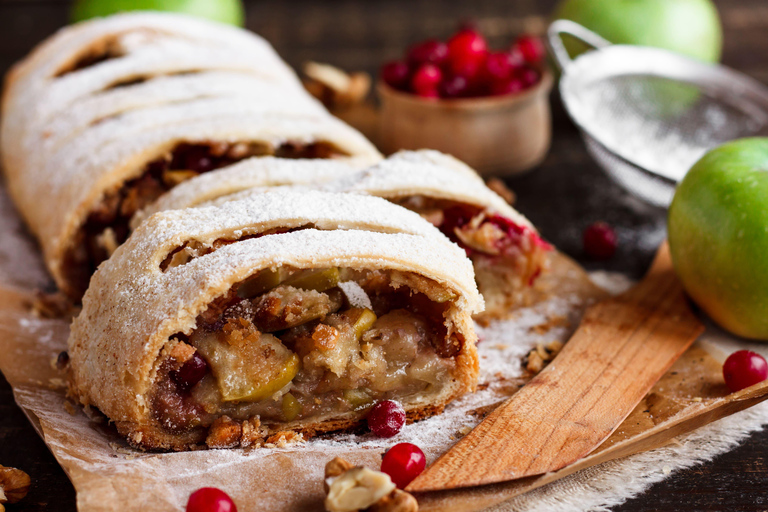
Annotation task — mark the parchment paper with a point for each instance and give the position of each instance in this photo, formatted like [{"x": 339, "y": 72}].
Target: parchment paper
[{"x": 110, "y": 476}]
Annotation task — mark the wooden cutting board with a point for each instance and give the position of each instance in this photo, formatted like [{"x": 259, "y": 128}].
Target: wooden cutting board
[{"x": 621, "y": 348}]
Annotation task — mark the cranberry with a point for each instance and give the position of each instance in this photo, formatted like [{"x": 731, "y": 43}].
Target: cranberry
[
  {"x": 498, "y": 67},
  {"x": 430, "y": 51},
  {"x": 600, "y": 241},
  {"x": 386, "y": 418},
  {"x": 426, "y": 79},
  {"x": 193, "y": 157},
  {"x": 528, "y": 76},
  {"x": 467, "y": 50},
  {"x": 403, "y": 462},
  {"x": 454, "y": 87},
  {"x": 743, "y": 369},
  {"x": 511, "y": 86},
  {"x": 531, "y": 48},
  {"x": 210, "y": 499},
  {"x": 191, "y": 372},
  {"x": 396, "y": 74},
  {"x": 516, "y": 58}
]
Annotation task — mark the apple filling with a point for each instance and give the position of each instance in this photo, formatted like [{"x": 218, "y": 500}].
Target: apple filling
[
  {"x": 107, "y": 225},
  {"x": 288, "y": 346},
  {"x": 507, "y": 257}
]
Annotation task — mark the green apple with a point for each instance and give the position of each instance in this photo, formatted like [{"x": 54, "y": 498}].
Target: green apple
[
  {"x": 690, "y": 27},
  {"x": 718, "y": 235},
  {"x": 225, "y": 11}
]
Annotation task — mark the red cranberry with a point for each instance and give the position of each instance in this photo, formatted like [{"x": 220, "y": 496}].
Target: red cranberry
[
  {"x": 191, "y": 372},
  {"x": 210, "y": 499},
  {"x": 600, "y": 241},
  {"x": 386, "y": 418},
  {"x": 531, "y": 48},
  {"x": 396, "y": 74},
  {"x": 467, "y": 50},
  {"x": 193, "y": 157},
  {"x": 498, "y": 67},
  {"x": 403, "y": 462},
  {"x": 454, "y": 87},
  {"x": 743, "y": 369},
  {"x": 430, "y": 51},
  {"x": 426, "y": 79},
  {"x": 511, "y": 86},
  {"x": 528, "y": 76},
  {"x": 516, "y": 58}
]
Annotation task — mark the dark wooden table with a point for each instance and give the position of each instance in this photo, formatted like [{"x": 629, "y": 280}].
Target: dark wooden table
[{"x": 567, "y": 193}]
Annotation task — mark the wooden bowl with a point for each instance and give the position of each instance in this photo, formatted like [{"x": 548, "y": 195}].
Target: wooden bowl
[{"x": 497, "y": 135}]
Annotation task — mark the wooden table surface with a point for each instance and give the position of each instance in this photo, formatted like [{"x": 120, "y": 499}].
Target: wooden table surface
[{"x": 567, "y": 193}]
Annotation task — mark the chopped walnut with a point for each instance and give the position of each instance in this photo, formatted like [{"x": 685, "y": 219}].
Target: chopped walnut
[
  {"x": 253, "y": 434},
  {"x": 351, "y": 489},
  {"x": 334, "y": 87},
  {"x": 539, "y": 357},
  {"x": 224, "y": 433},
  {"x": 182, "y": 352},
  {"x": 324, "y": 337},
  {"x": 396, "y": 501},
  {"x": 284, "y": 439},
  {"x": 14, "y": 485}
]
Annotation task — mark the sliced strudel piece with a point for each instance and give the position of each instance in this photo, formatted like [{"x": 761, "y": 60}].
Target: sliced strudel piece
[
  {"x": 106, "y": 116},
  {"x": 287, "y": 312},
  {"x": 507, "y": 252}
]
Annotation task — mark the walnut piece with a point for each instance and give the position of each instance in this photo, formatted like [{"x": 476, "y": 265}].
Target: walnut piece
[
  {"x": 224, "y": 433},
  {"x": 14, "y": 485},
  {"x": 350, "y": 489},
  {"x": 396, "y": 501},
  {"x": 334, "y": 87}
]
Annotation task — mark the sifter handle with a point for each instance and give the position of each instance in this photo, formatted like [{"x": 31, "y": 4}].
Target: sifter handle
[{"x": 573, "y": 29}]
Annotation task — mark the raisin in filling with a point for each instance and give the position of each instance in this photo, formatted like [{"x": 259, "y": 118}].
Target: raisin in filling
[
  {"x": 288, "y": 345},
  {"x": 107, "y": 225}
]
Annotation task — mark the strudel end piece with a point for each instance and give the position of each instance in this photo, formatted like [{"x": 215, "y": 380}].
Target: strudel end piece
[
  {"x": 286, "y": 312},
  {"x": 107, "y": 115}
]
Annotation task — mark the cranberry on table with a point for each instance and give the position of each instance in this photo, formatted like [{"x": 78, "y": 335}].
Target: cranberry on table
[
  {"x": 743, "y": 369},
  {"x": 386, "y": 418},
  {"x": 600, "y": 241},
  {"x": 210, "y": 499},
  {"x": 467, "y": 50},
  {"x": 396, "y": 74},
  {"x": 426, "y": 79},
  {"x": 430, "y": 51},
  {"x": 191, "y": 372},
  {"x": 403, "y": 462},
  {"x": 454, "y": 87},
  {"x": 531, "y": 48}
]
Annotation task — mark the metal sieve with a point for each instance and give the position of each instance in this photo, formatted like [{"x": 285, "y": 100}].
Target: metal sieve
[{"x": 647, "y": 114}]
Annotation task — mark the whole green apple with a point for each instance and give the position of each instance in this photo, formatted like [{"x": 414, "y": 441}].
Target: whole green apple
[
  {"x": 690, "y": 27},
  {"x": 225, "y": 11},
  {"x": 718, "y": 235}
]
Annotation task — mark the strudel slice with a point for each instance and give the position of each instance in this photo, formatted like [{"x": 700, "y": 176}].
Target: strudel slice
[
  {"x": 291, "y": 311},
  {"x": 107, "y": 115},
  {"x": 507, "y": 252}
]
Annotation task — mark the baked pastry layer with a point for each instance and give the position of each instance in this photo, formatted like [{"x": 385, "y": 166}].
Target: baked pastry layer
[
  {"x": 112, "y": 113},
  {"x": 306, "y": 307},
  {"x": 507, "y": 252}
]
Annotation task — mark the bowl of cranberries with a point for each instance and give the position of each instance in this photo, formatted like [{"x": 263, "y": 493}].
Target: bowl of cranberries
[{"x": 489, "y": 108}]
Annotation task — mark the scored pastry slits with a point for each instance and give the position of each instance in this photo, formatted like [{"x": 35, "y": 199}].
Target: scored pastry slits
[
  {"x": 504, "y": 246},
  {"x": 304, "y": 307},
  {"x": 111, "y": 114}
]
